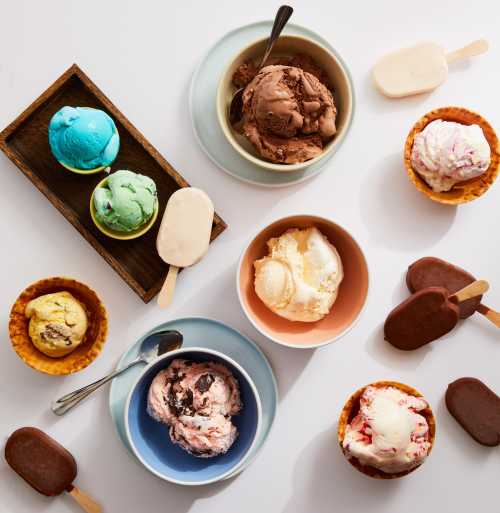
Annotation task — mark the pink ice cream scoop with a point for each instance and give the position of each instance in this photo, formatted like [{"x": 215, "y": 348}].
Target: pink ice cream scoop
[
  {"x": 445, "y": 153},
  {"x": 197, "y": 401},
  {"x": 388, "y": 432}
]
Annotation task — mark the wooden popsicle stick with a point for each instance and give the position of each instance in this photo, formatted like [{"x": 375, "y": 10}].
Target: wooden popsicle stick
[
  {"x": 490, "y": 314},
  {"x": 167, "y": 291},
  {"x": 471, "y": 50},
  {"x": 476, "y": 288},
  {"x": 86, "y": 502}
]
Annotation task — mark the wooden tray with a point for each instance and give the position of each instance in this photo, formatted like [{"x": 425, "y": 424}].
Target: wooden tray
[{"x": 25, "y": 142}]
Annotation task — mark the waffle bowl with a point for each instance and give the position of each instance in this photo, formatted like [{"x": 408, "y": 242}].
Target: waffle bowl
[
  {"x": 85, "y": 353},
  {"x": 465, "y": 191},
  {"x": 351, "y": 409}
]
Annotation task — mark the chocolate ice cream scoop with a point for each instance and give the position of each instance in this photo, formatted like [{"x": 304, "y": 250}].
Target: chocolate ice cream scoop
[
  {"x": 476, "y": 408},
  {"x": 434, "y": 272},
  {"x": 45, "y": 465},
  {"x": 288, "y": 114},
  {"x": 427, "y": 315}
]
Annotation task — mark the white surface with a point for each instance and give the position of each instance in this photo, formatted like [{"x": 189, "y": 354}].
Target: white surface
[{"x": 142, "y": 55}]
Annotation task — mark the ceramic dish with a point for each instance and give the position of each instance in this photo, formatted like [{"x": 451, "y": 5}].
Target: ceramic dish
[
  {"x": 116, "y": 234},
  {"x": 202, "y": 96},
  {"x": 465, "y": 191},
  {"x": 351, "y": 297},
  {"x": 220, "y": 337},
  {"x": 150, "y": 440},
  {"x": 287, "y": 46},
  {"x": 85, "y": 353},
  {"x": 351, "y": 409}
]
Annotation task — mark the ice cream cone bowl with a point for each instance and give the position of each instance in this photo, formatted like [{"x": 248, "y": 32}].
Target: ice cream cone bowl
[
  {"x": 465, "y": 191},
  {"x": 85, "y": 353},
  {"x": 114, "y": 234},
  {"x": 351, "y": 409}
]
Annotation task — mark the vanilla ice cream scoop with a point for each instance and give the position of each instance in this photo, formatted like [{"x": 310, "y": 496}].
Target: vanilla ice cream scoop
[
  {"x": 299, "y": 279},
  {"x": 388, "y": 432},
  {"x": 445, "y": 153}
]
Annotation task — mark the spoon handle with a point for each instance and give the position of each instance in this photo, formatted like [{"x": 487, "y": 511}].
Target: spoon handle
[
  {"x": 69, "y": 401},
  {"x": 280, "y": 20}
]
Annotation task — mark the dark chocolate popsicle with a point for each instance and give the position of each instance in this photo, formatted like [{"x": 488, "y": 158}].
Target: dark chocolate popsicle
[
  {"x": 434, "y": 272},
  {"x": 423, "y": 317},
  {"x": 45, "y": 464},
  {"x": 476, "y": 408}
]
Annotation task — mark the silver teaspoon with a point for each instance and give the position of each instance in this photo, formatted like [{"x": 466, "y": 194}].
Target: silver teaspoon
[
  {"x": 280, "y": 20},
  {"x": 151, "y": 348}
]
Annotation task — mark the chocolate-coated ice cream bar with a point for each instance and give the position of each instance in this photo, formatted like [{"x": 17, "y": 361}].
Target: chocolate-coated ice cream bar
[
  {"x": 45, "y": 465},
  {"x": 434, "y": 272},
  {"x": 427, "y": 315},
  {"x": 423, "y": 317},
  {"x": 476, "y": 408}
]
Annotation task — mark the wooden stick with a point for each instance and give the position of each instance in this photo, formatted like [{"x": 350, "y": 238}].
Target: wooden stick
[
  {"x": 167, "y": 291},
  {"x": 476, "y": 288},
  {"x": 490, "y": 314},
  {"x": 86, "y": 502},
  {"x": 471, "y": 50}
]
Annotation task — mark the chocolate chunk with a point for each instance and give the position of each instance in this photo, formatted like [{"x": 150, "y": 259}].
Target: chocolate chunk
[
  {"x": 434, "y": 272},
  {"x": 476, "y": 408},
  {"x": 423, "y": 317},
  {"x": 42, "y": 462},
  {"x": 204, "y": 383}
]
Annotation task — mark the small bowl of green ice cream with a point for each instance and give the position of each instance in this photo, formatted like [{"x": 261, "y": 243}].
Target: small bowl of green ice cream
[{"x": 124, "y": 205}]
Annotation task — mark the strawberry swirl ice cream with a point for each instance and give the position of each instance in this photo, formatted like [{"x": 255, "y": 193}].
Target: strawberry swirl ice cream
[
  {"x": 388, "y": 432},
  {"x": 445, "y": 153},
  {"x": 196, "y": 400}
]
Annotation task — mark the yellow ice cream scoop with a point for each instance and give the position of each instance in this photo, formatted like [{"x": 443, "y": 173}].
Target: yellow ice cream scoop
[{"x": 58, "y": 323}]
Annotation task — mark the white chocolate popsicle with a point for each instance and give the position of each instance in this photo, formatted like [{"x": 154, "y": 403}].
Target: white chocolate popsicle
[
  {"x": 420, "y": 68},
  {"x": 184, "y": 234}
]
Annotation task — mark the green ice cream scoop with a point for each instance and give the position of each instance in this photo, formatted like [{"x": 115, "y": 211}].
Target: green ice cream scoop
[{"x": 126, "y": 201}]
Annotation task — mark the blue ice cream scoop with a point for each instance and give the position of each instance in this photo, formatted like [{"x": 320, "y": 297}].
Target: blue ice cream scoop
[{"x": 83, "y": 138}]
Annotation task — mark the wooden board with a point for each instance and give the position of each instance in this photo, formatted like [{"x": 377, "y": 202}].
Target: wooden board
[{"x": 25, "y": 142}]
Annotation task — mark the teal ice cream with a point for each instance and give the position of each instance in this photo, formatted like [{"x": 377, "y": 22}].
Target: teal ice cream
[
  {"x": 83, "y": 138},
  {"x": 126, "y": 202}
]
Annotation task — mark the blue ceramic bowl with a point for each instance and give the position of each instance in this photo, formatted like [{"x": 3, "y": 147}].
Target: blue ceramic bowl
[{"x": 150, "y": 439}]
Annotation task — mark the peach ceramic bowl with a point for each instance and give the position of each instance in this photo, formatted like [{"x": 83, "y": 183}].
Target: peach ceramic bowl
[{"x": 351, "y": 297}]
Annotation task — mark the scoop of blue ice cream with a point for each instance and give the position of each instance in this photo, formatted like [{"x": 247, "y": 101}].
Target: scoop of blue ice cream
[{"x": 83, "y": 138}]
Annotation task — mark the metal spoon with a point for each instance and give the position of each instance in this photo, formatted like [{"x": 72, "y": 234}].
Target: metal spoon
[
  {"x": 280, "y": 20},
  {"x": 151, "y": 348}
]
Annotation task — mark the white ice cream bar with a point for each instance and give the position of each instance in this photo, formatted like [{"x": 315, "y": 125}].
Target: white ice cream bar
[
  {"x": 420, "y": 68},
  {"x": 186, "y": 226}
]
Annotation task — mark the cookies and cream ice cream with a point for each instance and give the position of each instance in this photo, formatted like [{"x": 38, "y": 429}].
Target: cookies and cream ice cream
[
  {"x": 288, "y": 114},
  {"x": 126, "y": 202},
  {"x": 58, "y": 323},
  {"x": 388, "y": 433},
  {"x": 196, "y": 400},
  {"x": 300, "y": 277},
  {"x": 445, "y": 153},
  {"x": 83, "y": 138}
]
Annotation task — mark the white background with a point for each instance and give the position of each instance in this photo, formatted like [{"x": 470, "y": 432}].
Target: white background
[{"x": 142, "y": 55}]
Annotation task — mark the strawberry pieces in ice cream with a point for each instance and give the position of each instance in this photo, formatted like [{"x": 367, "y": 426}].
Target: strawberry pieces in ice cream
[{"x": 388, "y": 432}]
